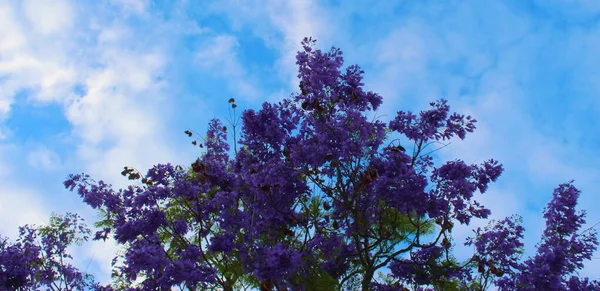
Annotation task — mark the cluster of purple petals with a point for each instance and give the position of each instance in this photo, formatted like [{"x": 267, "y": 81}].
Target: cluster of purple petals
[
  {"x": 39, "y": 260},
  {"x": 426, "y": 266},
  {"x": 433, "y": 124},
  {"x": 498, "y": 247},
  {"x": 456, "y": 182},
  {"x": 335, "y": 251},
  {"x": 17, "y": 260},
  {"x": 138, "y": 215},
  {"x": 561, "y": 251}
]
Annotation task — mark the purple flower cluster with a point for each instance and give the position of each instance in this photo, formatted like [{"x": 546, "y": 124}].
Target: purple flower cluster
[
  {"x": 433, "y": 124},
  {"x": 561, "y": 251},
  {"x": 154, "y": 221},
  {"x": 39, "y": 258},
  {"x": 498, "y": 247}
]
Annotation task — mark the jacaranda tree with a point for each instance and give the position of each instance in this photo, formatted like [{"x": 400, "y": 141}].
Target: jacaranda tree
[
  {"x": 316, "y": 195},
  {"x": 39, "y": 260}
]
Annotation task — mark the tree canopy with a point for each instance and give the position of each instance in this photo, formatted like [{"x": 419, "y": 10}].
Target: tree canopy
[{"x": 314, "y": 195}]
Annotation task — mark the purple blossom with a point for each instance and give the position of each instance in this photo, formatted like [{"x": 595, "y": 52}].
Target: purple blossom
[
  {"x": 562, "y": 249},
  {"x": 498, "y": 247},
  {"x": 432, "y": 124},
  {"x": 39, "y": 257}
]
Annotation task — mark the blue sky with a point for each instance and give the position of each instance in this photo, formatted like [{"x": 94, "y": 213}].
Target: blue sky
[{"x": 92, "y": 86}]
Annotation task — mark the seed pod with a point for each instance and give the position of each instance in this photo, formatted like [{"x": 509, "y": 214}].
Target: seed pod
[
  {"x": 198, "y": 166},
  {"x": 288, "y": 232},
  {"x": 398, "y": 148},
  {"x": 329, "y": 157},
  {"x": 302, "y": 89},
  {"x": 480, "y": 267},
  {"x": 304, "y": 105},
  {"x": 446, "y": 243},
  {"x": 448, "y": 225},
  {"x": 266, "y": 286}
]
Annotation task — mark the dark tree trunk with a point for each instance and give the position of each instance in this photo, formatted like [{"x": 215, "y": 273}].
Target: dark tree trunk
[{"x": 368, "y": 276}]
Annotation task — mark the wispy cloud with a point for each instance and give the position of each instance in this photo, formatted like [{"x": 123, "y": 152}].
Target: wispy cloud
[
  {"x": 44, "y": 158},
  {"x": 281, "y": 25},
  {"x": 48, "y": 17},
  {"x": 219, "y": 54}
]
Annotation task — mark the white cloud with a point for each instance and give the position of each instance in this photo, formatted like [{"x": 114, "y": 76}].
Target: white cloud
[
  {"x": 117, "y": 120},
  {"x": 112, "y": 33},
  {"x": 401, "y": 61},
  {"x": 48, "y": 16},
  {"x": 4, "y": 132},
  {"x": 135, "y": 6},
  {"x": 44, "y": 158},
  {"x": 219, "y": 54},
  {"x": 120, "y": 118},
  {"x": 221, "y": 49},
  {"x": 50, "y": 80},
  {"x": 97, "y": 254},
  {"x": 5, "y": 170},
  {"x": 19, "y": 205},
  {"x": 4, "y": 108},
  {"x": 296, "y": 19},
  {"x": 405, "y": 44},
  {"x": 11, "y": 40},
  {"x": 11, "y": 37},
  {"x": 282, "y": 25},
  {"x": 33, "y": 62}
]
